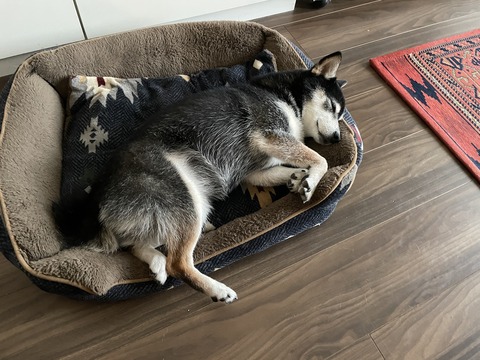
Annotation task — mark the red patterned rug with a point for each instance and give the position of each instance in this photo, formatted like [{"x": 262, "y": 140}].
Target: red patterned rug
[{"x": 441, "y": 82}]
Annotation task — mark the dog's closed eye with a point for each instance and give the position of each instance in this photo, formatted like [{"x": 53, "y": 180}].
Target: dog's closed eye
[{"x": 328, "y": 105}]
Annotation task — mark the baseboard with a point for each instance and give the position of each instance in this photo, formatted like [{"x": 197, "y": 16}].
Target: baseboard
[{"x": 10, "y": 64}]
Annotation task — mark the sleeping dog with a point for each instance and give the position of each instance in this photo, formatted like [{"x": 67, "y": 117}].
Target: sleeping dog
[{"x": 159, "y": 188}]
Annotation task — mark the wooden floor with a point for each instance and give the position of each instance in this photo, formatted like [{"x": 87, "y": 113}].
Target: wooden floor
[{"x": 393, "y": 274}]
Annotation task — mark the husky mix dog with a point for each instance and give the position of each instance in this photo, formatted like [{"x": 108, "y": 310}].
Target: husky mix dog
[{"x": 159, "y": 188}]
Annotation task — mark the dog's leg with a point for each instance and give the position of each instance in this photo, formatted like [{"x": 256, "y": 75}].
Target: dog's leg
[
  {"x": 183, "y": 238},
  {"x": 289, "y": 150},
  {"x": 277, "y": 175},
  {"x": 180, "y": 265},
  {"x": 154, "y": 258}
]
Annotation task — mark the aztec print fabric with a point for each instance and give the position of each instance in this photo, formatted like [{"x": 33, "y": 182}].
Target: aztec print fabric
[
  {"x": 104, "y": 111},
  {"x": 441, "y": 82}
]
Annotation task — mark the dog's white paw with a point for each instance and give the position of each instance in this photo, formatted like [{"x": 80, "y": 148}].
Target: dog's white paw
[
  {"x": 306, "y": 189},
  {"x": 159, "y": 268},
  {"x": 301, "y": 183},
  {"x": 208, "y": 227},
  {"x": 296, "y": 179},
  {"x": 221, "y": 292}
]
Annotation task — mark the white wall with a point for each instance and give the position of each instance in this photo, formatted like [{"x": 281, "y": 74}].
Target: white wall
[
  {"x": 107, "y": 16},
  {"x": 27, "y": 26}
]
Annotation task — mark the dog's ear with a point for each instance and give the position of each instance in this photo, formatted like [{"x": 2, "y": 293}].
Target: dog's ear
[
  {"x": 342, "y": 83},
  {"x": 328, "y": 65}
]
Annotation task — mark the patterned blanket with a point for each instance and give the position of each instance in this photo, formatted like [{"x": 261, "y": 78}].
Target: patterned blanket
[{"x": 105, "y": 111}]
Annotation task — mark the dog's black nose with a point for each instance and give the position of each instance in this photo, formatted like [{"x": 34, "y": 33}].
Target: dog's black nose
[{"x": 335, "y": 137}]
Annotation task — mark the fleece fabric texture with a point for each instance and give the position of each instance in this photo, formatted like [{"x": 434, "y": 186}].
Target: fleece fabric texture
[{"x": 32, "y": 119}]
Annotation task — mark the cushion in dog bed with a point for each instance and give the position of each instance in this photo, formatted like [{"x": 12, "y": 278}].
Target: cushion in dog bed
[{"x": 32, "y": 115}]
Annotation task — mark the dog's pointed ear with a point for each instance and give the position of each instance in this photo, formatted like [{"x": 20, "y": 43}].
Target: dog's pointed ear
[
  {"x": 342, "y": 83},
  {"x": 328, "y": 65}
]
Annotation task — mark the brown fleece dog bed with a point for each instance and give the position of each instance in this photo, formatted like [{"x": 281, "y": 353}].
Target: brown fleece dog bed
[{"x": 32, "y": 117}]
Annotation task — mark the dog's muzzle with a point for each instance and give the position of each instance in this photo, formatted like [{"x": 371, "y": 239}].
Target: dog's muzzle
[
  {"x": 335, "y": 138},
  {"x": 332, "y": 139}
]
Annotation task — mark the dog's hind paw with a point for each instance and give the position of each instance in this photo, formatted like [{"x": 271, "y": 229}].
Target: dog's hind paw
[
  {"x": 161, "y": 277},
  {"x": 208, "y": 227},
  {"x": 223, "y": 293},
  {"x": 158, "y": 267}
]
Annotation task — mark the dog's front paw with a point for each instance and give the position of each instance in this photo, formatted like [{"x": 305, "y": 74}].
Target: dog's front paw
[
  {"x": 223, "y": 293},
  {"x": 306, "y": 189},
  {"x": 295, "y": 181},
  {"x": 302, "y": 183}
]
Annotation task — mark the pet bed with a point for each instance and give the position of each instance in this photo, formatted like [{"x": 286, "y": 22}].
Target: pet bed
[{"x": 56, "y": 115}]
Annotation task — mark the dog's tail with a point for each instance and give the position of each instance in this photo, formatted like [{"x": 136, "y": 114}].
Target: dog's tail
[{"x": 78, "y": 222}]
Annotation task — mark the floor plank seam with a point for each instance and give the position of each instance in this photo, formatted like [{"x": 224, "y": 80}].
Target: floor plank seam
[
  {"x": 389, "y": 219},
  {"x": 297, "y": 43},
  {"x": 421, "y": 28},
  {"x": 433, "y": 25},
  {"x": 327, "y": 13},
  {"x": 363, "y": 93},
  {"x": 378, "y": 349},
  {"x": 420, "y": 305},
  {"x": 365, "y": 152}
]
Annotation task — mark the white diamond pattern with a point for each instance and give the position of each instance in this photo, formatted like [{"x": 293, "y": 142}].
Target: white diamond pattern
[{"x": 93, "y": 136}]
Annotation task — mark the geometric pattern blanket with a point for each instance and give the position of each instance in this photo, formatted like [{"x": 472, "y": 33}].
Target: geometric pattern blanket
[{"x": 105, "y": 111}]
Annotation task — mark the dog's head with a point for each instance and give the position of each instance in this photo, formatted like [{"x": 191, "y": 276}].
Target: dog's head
[{"x": 323, "y": 103}]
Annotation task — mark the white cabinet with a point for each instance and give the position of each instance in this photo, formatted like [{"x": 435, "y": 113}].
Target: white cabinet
[
  {"x": 30, "y": 25},
  {"x": 112, "y": 16}
]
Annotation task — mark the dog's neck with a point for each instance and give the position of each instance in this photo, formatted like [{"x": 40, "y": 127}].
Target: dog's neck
[{"x": 286, "y": 86}]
